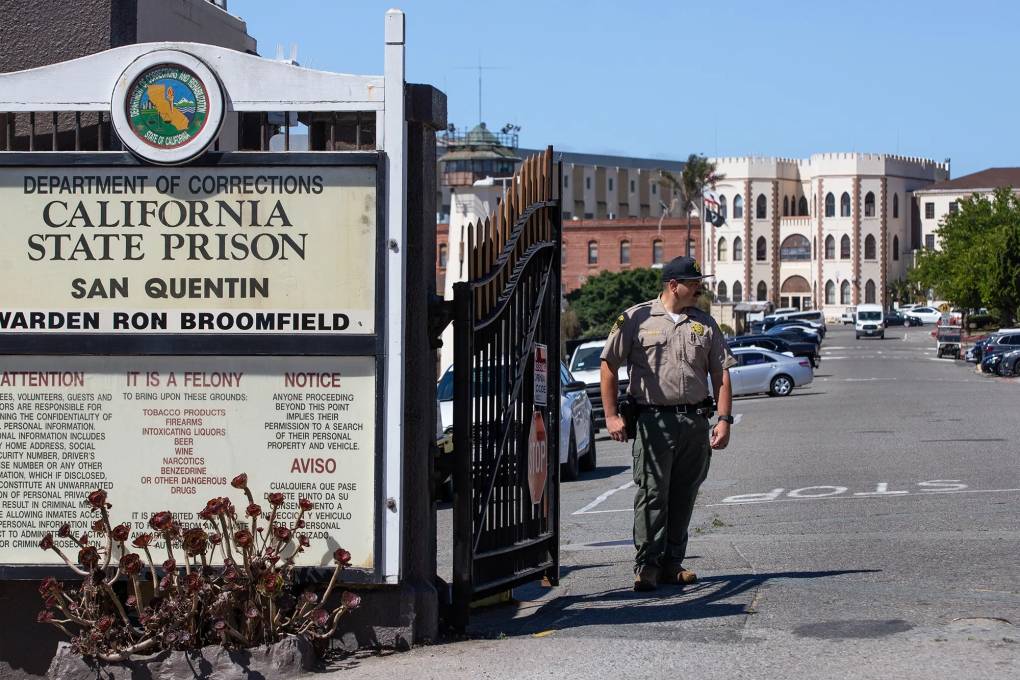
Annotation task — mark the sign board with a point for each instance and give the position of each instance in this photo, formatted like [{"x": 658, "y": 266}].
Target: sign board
[
  {"x": 541, "y": 374},
  {"x": 538, "y": 458},
  {"x": 243, "y": 250},
  {"x": 163, "y": 433}
]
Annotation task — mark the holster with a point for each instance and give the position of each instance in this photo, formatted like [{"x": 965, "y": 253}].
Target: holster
[{"x": 628, "y": 409}]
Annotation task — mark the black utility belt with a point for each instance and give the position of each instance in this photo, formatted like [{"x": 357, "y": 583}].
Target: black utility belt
[{"x": 704, "y": 408}]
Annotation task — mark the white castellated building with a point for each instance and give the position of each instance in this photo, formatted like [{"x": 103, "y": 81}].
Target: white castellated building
[{"x": 822, "y": 233}]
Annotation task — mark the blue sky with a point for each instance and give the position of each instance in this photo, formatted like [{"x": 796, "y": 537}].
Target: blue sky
[{"x": 664, "y": 79}]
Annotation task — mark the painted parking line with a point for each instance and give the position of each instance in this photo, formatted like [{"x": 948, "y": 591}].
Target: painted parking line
[{"x": 598, "y": 501}]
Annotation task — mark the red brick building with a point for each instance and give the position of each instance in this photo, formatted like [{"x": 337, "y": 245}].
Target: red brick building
[{"x": 593, "y": 246}]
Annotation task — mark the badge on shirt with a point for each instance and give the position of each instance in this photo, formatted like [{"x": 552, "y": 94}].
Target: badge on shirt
[
  {"x": 616, "y": 324},
  {"x": 698, "y": 329}
]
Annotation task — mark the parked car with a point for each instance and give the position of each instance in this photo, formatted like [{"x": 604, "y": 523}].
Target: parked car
[
  {"x": 795, "y": 334},
  {"x": 990, "y": 363},
  {"x": 925, "y": 314},
  {"x": 774, "y": 343},
  {"x": 576, "y": 427},
  {"x": 818, "y": 328},
  {"x": 999, "y": 343},
  {"x": 586, "y": 365},
  {"x": 893, "y": 317},
  {"x": 847, "y": 317},
  {"x": 813, "y": 316},
  {"x": 760, "y": 370},
  {"x": 1010, "y": 364},
  {"x": 868, "y": 321}
]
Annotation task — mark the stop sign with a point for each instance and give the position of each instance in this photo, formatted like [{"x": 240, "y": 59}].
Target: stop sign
[{"x": 538, "y": 458}]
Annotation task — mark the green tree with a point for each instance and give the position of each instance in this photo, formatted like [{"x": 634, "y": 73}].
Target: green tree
[
  {"x": 979, "y": 255},
  {"x": 605, "y": 296},
  {"x": 698, "y": 174}
]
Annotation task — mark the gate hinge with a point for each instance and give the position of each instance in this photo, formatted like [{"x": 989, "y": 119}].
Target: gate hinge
[{"x": 440, "y": 316}]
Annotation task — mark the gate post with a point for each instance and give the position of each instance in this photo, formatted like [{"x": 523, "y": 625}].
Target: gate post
[{"x": 463, "y": 508}]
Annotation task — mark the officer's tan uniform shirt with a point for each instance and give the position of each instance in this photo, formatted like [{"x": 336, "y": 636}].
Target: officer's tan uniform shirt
[{"x": 669, "y": 361}]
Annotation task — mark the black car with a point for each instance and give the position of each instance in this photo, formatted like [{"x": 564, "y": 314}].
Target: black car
[
  {"x": 894, "y": 318},
  {"x": 776, "y": 323},
  {"x": 1010, "y": 364},
  {"x": 808, "y": 350},
  {"x": 794, "y": 334}
]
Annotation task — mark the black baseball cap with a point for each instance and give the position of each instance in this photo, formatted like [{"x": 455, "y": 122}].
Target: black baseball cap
[{"x": 682, "y": 269}]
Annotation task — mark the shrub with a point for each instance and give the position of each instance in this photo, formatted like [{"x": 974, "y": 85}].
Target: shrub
[
  {"x": 726, "y": 330},
  {"x": 250, "y": 599}
]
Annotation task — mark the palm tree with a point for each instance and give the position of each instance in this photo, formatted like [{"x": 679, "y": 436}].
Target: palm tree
[{"x": 698, "y": 174}]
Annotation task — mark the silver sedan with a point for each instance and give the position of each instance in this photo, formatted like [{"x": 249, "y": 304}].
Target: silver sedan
[{"x": 760, "y": 370}]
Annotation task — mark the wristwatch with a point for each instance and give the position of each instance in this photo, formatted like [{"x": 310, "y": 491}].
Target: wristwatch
[{"x": 727, "y": 419}]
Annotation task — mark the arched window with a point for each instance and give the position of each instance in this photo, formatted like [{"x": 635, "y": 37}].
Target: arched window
[
  {"x": 803, "y": 206},
  {"x": 895, "y": 247},
  {"x": 869, "y": 247},
  {"x": 844, "y": 205},
  {"x": 738, "y": 249},
  {"x": 786, "y": 206},
  {"x": 720, "y": 292},
  {"x": 761, "y": 249},
  {"x": 830, "y": 293},
  {"x": 624, "y": 252},
  {"x": 844, "y": 248},
  {"x": 442, "y": 256},
  {"x": 738, "y": 206},
  {"x": 869, "y": 204},
  {"x": 723, "y": 249},
  {"x": 795, "y": 247},
  {"x": 722, "y": 206},
  {"x": 593, "y": 252},
  {"x": 895, "y": 205},
  {"x": 830, "y": 247},
  {"x": 814, "y": 247},
  {"x": 830, "y": 205},
  {"x": 844, "y": 293},
  {"x": 738, "y": 293},
  {"x": 563, "y": 253},
  {"x": 869, "y": 292},
  {"x": 762, "y": 291},
  {"x": 760, "y": 207},
  {"x": 657, "y": 251}
]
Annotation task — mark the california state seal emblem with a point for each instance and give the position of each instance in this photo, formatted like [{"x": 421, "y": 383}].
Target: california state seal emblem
[{"x": 168, "y": 106}]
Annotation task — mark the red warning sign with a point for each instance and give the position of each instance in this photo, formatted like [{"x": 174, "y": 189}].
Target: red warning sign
[{"x": 538, "y": 458}]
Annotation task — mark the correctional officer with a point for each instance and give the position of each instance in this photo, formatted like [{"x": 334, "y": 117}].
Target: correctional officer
[{"x": 672, "y": 348}]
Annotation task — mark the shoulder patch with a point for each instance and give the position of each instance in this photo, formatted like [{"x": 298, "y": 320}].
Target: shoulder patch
[{"x": 620, "y": 320}]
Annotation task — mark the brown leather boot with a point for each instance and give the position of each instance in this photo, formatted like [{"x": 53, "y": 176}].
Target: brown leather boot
[
  {"x": 677, "y": 575},
  {"x": 646, "y": 579}
]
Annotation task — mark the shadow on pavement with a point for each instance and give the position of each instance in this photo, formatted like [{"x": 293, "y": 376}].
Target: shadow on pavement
[
  {"x": 603, "y": 472},
  {"x": 706, "y": 599}
]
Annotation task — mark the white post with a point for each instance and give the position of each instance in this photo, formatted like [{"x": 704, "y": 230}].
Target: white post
[{"x": 395, "y": 146}]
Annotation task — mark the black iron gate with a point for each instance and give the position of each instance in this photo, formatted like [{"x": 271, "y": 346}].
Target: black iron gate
[{"x": 506, "y": 532}]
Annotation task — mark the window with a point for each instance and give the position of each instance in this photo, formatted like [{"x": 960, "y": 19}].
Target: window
[
  {"x": 895, "y": 247},
  {"x": 830, "y": 247},
  {"x": 624, "y": 252},
  {"x": 869, "y": 292},
  {"x": 869, "y": 247},
  {"x": 954, "y": 207},
  {"x": 656, "y": 251},
  {"x": 895, "y": 206},
  {"x": 563, "y": 253},
  {"x": 567, "y": 215},
  {"x": 803, "y": 207},
  {"x": 844, "y": 293},
  {"x": 929, "y": 211},
  {"x": 761, "y": 249},
  {"x": 655, "y": 188},
  {"x": 442, "y": 256},
  {"x": 830, "y": 293},
  {"x": 786, "y": 206},
  {"x": 738, "y": 206},
  {"x": 566, "y": 181},
  {"x": 844, "y": 248},
  {"x": 738, "y": 293},
  {"x": 722, "y": 207},
  {"x": 752, "y": 358},
  {"x": 632, "y": 186},
  {"x": 720, "y": 292},
  {"x": 762, "y": 291},
  {"x": 593, "y": 252},
  {"x": 738, "y": 249},
  {"x": 795, "y": 247},
  {"x": 760, "y": 207},
  {"x": 610, "y": 183},
  {"x": 692, "y": 248},
  {"x": 869, "y": 204},
  {"x": 929, "y": 241},
  {"x": 844, "y": 205},
  {"x": 830, "y": 205}
]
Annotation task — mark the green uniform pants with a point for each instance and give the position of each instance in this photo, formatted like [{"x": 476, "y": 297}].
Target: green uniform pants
[{"x": 671, "y": 459}]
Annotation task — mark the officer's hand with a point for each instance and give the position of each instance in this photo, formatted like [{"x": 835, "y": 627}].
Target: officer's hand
[
  {"x": 617, "y": 428},
  {"x": 720, "y": 435}
]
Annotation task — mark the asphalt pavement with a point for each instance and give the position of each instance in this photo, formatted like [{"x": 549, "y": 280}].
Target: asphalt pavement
[{"x": 867, "y": 526}]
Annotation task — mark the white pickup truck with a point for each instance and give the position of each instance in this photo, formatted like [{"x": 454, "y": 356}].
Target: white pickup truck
[{"x": 586, "y": 365}]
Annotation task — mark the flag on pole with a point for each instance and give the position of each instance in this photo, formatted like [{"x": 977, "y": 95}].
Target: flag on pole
[{"x": 712, "y": 214}]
